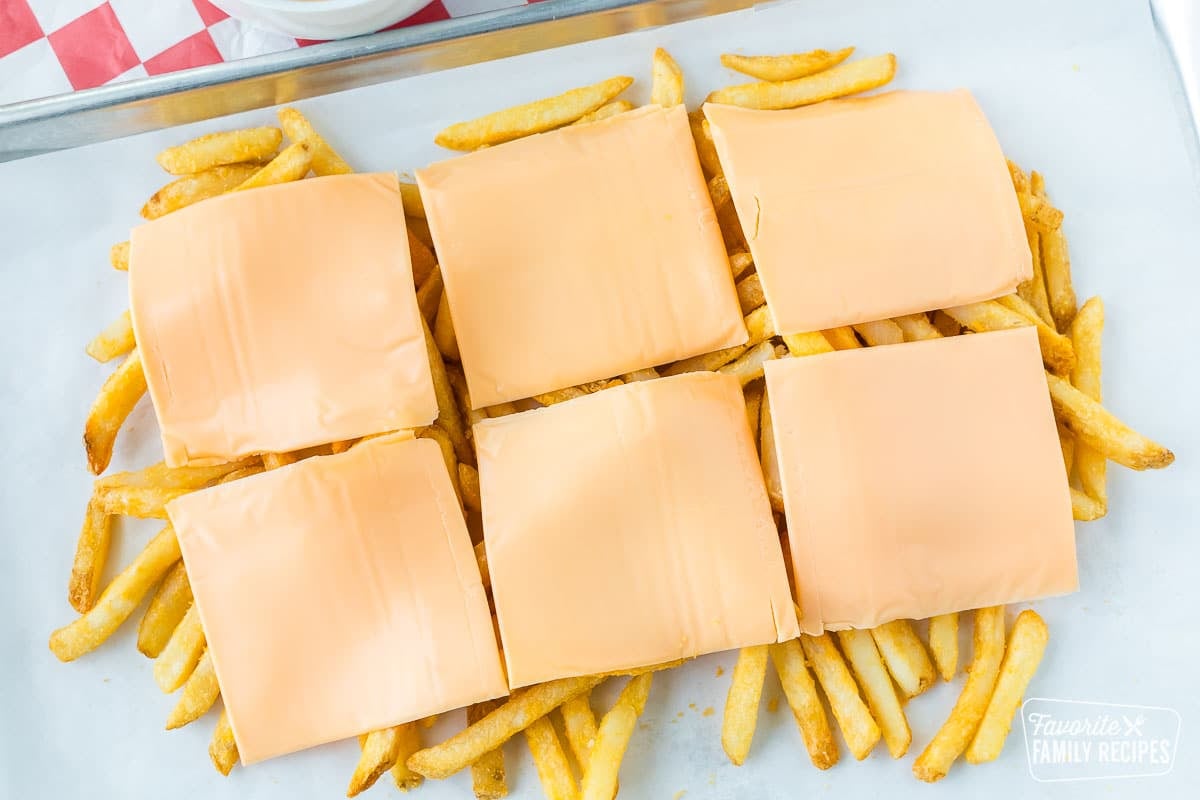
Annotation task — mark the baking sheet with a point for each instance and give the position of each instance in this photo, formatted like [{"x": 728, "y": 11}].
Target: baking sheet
[{"x": 1081, "y": 90}]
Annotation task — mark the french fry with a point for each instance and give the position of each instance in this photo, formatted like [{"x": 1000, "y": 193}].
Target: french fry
[
  {"x": 880, "y": 332},
  {"x": 750, "y": 293},
  {"x": 802, "y": 697},
  {"x": 1020, "y": 180},
  {"x": 379, "y": 753},
  {"x": 991, "y": 315},
  {"x": 277, "y": 460},
  {"x": 750, "y": 364},
  {"x": 844, "y": 79},
  {"x": 325, "y": 160},
  {"x": 481, "y": 561},
  {"x": 468, "y": 481},
  {"x": 410, "y": 195},
  {"x": 222, "y": 749},
  {"x": 118, "y": 256},
  {"x": 740, "y": 263},
  {"x": 807, "y": 344},
  {"x": 560, "y": 395},
  {"x": 119, "y": 394},
  {"x": 145, "y": 493},
  {"x": 710, "y": 163},
  {"x": 579, "y": 722},
  {"x": 182, "y": 652},
  {"x": 448, "y": 418},
  {"x": 905, "y": 656},
  {"x": 859, "y": 649},
  {"x": 1086, "y": 332},
  {"x": 1056, "y": 264},
  {"x": 752, "y": 394},
  {"x": 551, "y": 761},
  {"x": 443, "y": 330},
  {"x": 666, "y": 84},
  {"x": 605, "y": 111},
  {"x": 741, "y": 705},
  {"x": 409, "y": 737},
  {"x": 1039, "y": 213},
  {"x": 1067, "y": 442},
  {"x": 429, "y": 294},
  {"x": 536, "y": 117},
  {"x": 860, "y": 731},
  {"x": 169, "y": 603},
  {"x": 943, "y": 644},
  {"x": 954, "y": 736},
  {"x": 917, "y": 328},
  {"x": 447, "y": 445},
  {"x": 770, "y": 459},
  {"x": 117, "y": 601},
  {"x": 1033, "y": 291},
  {"x": 842, "y": 338},
  {"x": 727, "y": 219},
  {"x": 199, "y": 694},
  {"x": 292, "y": 164},
  {"x": 1096, "y": 427},
  {"x": 91, "y": 554},
  {"x": 424, "y": 264},
  {"x": 647, "y": 374},
  {"x": 946, "y": 325},
  {"x": 612, "y": 739},
  {"x": 489, "y": 777},
  {"x": 705, "y": 362},
  {"x": 1085, "y": 508},
  {"x": 1026, "y": 645},
  {"x": 501, "y": 410},
  {"x": 215, "y": 149},
  {"x": 191, "y": 189},
  {"x": 785, "y": 67},
  {"x": 509, "y": 719},
  {"x": 115, "y": 340},
  {"x": 1048, "y": 337}
]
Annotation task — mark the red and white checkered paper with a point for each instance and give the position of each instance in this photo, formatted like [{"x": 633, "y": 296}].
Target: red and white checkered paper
[{"x": 54, "y": 46}]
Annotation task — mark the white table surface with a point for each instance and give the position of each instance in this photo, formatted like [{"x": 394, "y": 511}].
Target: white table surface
[{"x": 1081, "y": 90}]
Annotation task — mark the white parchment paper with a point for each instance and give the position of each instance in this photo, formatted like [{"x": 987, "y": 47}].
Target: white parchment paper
[{"x": 1078, "y": 89}]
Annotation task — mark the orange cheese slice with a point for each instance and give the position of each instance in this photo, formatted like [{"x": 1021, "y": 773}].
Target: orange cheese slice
[
  {"x": 279, "y": 318},
  {"x": 630, "y": 527},
  {"x": 339, "y": 595},
  {"x": 921, "y": 479},
  {"x": 863, "y": 209},
  {"x": 580, "y": 254}
]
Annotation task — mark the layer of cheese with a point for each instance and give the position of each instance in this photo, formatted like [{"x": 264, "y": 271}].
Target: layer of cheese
[
  {"x": 630, "y": 527},
  {"x": 339, "y": 595},
  {"x": 868, "y": 208},
  {"x": 280, "y": 318},
  {"x": 580, "y": 254},
  {"x": 921, "y": 479}
]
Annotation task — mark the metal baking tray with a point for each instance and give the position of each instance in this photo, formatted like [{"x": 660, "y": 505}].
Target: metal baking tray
[{"x": 109, "y": 112}]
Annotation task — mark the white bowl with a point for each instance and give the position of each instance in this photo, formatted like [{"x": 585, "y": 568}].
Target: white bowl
[{"x": 321, "y": 19}]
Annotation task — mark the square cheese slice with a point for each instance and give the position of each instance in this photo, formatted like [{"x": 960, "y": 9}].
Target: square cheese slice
[
  {"x": 280, "y": 318},
  {"x": 339, "y": 595},
  {"x": 628, "y": 528},
  {"x": 580, "y": 254},
  {"x": 921, "y": 479},
  {"x": 868, "y": 208}
]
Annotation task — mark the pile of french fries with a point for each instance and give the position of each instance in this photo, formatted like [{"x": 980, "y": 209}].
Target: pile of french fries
[{"x": 865, "y": 676}]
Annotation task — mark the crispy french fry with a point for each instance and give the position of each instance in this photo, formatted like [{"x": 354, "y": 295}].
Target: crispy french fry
[
  {"x": 410, "y": 195},
  {"x": 118, "y": 256},
  {"x": 859, "y": 729},
  {"x": 882, "y": 331},
  {"x": 859, "y": 649},
  {"x": 468, "y": 481},
  {"x": 705, "y": 149},
  {"x": 551, "y": 761},
  {"x": 991, "y": 315},
  {"x": 752, "y": 394},
  {"x": 1049, "y": 338},
  {"x": 1033, "y": 291},
  {"x": 144, "y": 493},
  {"x": 536, "y": 117},
  {"x": 325, "y": 160},
  {"x": 222, "y": 749},
  {"x": 740, "y": 263},
  {"x": 954, "y": 736},
  {"x": 178, "y": 659},
  {"x": 429, "y": 294},
  {"x": 424, "y": 264},
  {"x": 1020, "y": 180},
  {"x": 190, "y": 189},
  {"x": 292, "y": 164},
  {"x": 785, "y": 67},
  {"x": 379, "y": 753},
  {"x": 731, "y": 227},
  {"x": 119, "y": 394},
  {"x": 770, "y": 459},
  {"x": 215, "y": 149},
  {"x": 612, "y": 738},
  {"x": 605, "y": 111},
  {"x": 905, "y": 656},
  {"x": 1083, "y": 507},
  {"x": 91, "y": 554},
  {"x": 946, "y": 325},
  {"x": 750, "y": 293},
  {"x": 443, "y": 330},
  {"x": 1026, "y": 646},
  {"x": 1096, "y": 427},
  {"x": 481, "y": 561},
  {"x": 647, "y": 374},
  {"x": 448, "y": 418},
  {"x": 917, "y": 328},
  {"x": 521, "y": 709},
  {"x": 115, "y": 340},
  {"x": 750, "y": 364},
  {"x": 579, "y": 722},
  {"x": 842, "y": 338},
  {"x": 1067, "y": 442},
  {"x": 801, "y": 694},
  {"x": 501, "y": 410},
  {"x": 489, "y": 777},
  {"x": 1086, "y": 332},
  {"x": 844, "y": 79},
  {"x": 807, "y": 344},
  {"x": 943, "y": 643},
  {"x": 1039, "y": 213},
  {"x": 119, "y": 600},
  {"x": 560, "y": 395},
  {"x": 170, "y": 602},
  {"x": 199, "y": 694},
  {"x": 666, "y": 84},
  {"x": 277, "y": 460},
  {"x": 409, "y": 737},
  {"x": 741, "y": 705},
  {"x": 447, "y": 444},
  {"x": 1056, "y": 264},
  {"x": 705, "y": 361}
]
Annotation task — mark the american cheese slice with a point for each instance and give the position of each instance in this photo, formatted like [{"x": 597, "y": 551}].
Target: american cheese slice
[
  {"x": 279, "y": 318},
  {"x": 339, "y": 595},
  {"x": 921, "y": 479},
  {"x": 868, "y": 208},
  {"x": 630, "y": 527},
  {"x": 580, "y": 254}
]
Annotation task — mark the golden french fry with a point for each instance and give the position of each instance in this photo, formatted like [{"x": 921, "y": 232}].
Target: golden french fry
[
  {"x": 705, "y": 361},
  {"x": 215, "y": 149},
  {"x": 447, "y": 444},
  {"x": 750, "y": 293},
  {"x": 115, "y": 340},
  {"x": 905, "y": 656},
  {"x": 468, "y": 481},
  {"x": 190, "y": 189},
  {"x": 118, "y": 256},
  {"x": 943, "y": 643},
  {"x": 917, "y": 328},
  {"x": 750, "y": 364},
  {"x": 551, "y": 761},
  {"x": 169, "y": 603},
  {"x": 579, "y": 722},
  {"x": 179, "y": 658},
  {"x": 859, "y": 729},
  {"x": 844, "y": 79},
  {"x": 770, "y": 459},
  {"x": 739, "y": 263},
  {"x": 1086, "y": 332},
  {"x": 741, "y": 705},
  {"x": 1056, "y": 264},
  {"x": 801, "y": 694},
  {"x": 509, "y": 719},
  {"x": 536, "y": 117},
  {"x": 429, "y": 294},
  {"x": 991, "y": 315},
  {"x": 119, "y": 394},
  {"x": 277, "y": 460},
  {"x": 325, "y": 160},
  {"x": 1039, "y": 213},
  {"x": 448, "y": 418},
  {"x": 91, "y": 554},
  {"x": 1049, "y": 338},
  {"x": 424, "y": 264},
  {"x": 752, "y": 394},
  {"x": 842, "y": 338},
  {"x": 409, "y": 742},
  {"x": 859, "y": 649},
  {"x": 605, "y": 111},
  {"x": 379, "y": 753},
  {"x": 560, "y": 395},
  {"x": 199, "y": 694},
  {"x": 410, "y": 195},
  {"x": 785, "y": 67},
  {"x": 731, "y": 227},
  {"x": 882, "y": 331},
  {"x": 710, "y": 163},
  {"x": 666, "y": 84},
  {"x": 954, "y": 736},
  {"x": 612, "y": 739},
  {"x": 222, "y": 749},
  {"x": 946, "y": 325},
  {"x": 1067, "y": 442},
  {"x": 1096, "y": 427},
  {"x": 501, "y": 410},
  {"x": 1085, "y": 508},
  {"x": 807, "y": 344},
  {"x": 443, "y": 330},
  {"x": 292, "y": 164},
  {"x": 647, "y": 374},
  {"x": 1033, "y": 291},
  {"x": 1026, "y": 646},
  {"x": 144, "y": 493},
  {"x": 119, "y": 600},
  {"x": 489, "y": 777},
  {"x": 1020, "y": 180}
]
